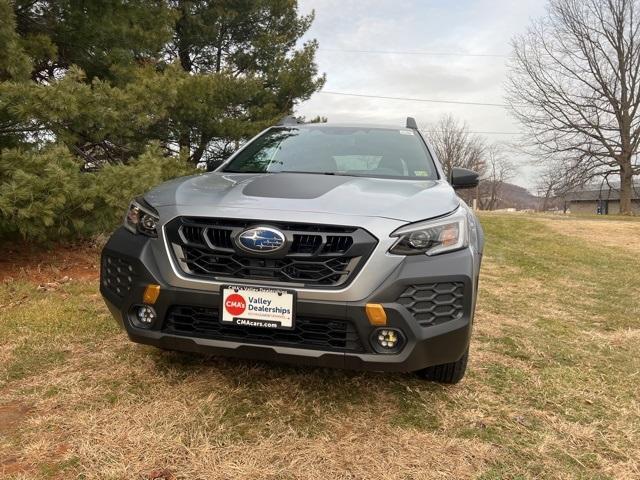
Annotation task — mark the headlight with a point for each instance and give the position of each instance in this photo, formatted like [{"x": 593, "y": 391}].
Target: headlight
[
  {"x": 141, "y": 218},
  {"x": 432, "y": 237}
]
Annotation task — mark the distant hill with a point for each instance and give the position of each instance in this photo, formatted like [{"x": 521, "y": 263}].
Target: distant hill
[
  {"x": 514, "y": 196},
  {"x": 509, "y": 196}
]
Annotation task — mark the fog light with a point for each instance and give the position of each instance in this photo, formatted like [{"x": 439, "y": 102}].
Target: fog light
[
  {"x": 146, "y": 315},
  {"x": 387, "y": 340}
]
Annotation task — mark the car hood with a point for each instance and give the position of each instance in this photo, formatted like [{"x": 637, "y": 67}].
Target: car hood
[{"x": 406, "y": 200}]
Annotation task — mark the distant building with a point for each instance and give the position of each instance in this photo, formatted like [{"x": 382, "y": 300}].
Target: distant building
[{"x": 601, "y": 199}]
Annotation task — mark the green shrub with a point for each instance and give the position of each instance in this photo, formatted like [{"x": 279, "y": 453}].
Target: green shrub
[
  {"x": 41, "y": 193},
  {"x": 44, "y": 195},
  {"x": 114, "y": 186}
]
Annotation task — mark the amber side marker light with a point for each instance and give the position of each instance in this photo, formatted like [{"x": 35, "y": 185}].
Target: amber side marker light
[
  {"x": 376, "y": 314},
  {"x": 151, "y": 294}
]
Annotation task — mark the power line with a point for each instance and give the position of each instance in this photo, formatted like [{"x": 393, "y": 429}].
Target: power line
[
  {"x": 428, "y": 100},
  {"x": 406, "y": 52}
]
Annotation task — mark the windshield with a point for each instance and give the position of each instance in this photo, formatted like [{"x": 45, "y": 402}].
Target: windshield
[{"x": 370, "y": 152}]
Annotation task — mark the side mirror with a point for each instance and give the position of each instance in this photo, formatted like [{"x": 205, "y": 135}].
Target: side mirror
[{"x": 464, "y": 178}]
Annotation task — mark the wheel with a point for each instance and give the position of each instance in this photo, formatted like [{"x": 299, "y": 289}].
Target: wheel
[{"x": 447, "y": 372}]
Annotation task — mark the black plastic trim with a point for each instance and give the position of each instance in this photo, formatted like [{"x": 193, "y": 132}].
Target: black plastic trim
[{"x": 335, "y": 260}]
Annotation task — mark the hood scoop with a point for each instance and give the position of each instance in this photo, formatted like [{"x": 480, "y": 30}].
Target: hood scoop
[{"x": 293, "y": 185}]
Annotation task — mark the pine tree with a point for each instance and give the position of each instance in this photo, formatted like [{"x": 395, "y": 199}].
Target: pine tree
[
  {"x": 109, "y": 77},
  {"x": 87, "y": 85},
  {"x": 246, "y": 50}
]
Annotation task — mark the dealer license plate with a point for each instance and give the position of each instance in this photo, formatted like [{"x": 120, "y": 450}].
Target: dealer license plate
[{"x": 257, "y": 307}]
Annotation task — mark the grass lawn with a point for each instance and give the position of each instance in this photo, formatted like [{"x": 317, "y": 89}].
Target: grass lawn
[{"x": 552, "y": 389}]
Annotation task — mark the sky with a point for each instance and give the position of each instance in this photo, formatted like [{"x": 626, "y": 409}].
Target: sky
[{"x": 430, "y": 30}]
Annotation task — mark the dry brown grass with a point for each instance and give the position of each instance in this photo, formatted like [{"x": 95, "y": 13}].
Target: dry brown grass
[
  {"x": 551, "y": 391},
  {"x": 192, "y": 422},
  {"x": 623, "y": 234}
]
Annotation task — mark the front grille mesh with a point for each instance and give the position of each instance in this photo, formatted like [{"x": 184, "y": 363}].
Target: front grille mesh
[
  {"x": 434, "y": 303},
  {"x": 314, "y": 255},
  {"x": 305, "y": 244},
  {"x": 326, "y": 271},
  {"x": 337, "y": 244},
  {"x": 218, "y": 237},
  {"x": 312, "y": 333}
]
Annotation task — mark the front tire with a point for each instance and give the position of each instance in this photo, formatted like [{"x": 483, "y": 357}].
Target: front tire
[{"x": 447, "y": 372}]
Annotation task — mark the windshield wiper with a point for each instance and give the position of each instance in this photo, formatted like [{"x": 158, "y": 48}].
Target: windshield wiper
[
  {"x": 309, "y": 173},
  {"x": 340, "y": 174}
]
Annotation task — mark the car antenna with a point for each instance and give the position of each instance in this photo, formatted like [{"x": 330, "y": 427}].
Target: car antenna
[{"x": 411, "y": 123}]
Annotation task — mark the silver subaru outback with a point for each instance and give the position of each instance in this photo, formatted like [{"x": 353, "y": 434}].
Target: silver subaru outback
[{"x": 319, "y": 244}]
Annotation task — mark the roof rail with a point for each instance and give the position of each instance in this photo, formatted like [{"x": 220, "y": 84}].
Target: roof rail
[
  {"x": 288, "y": 120},
  {"x": 411, "y": 123}
]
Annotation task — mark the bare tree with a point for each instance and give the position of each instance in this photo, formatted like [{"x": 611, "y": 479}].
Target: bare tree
[
  {"x": 553, "y": 181},
  {"x": 499, "y": 170},
  {"x": 575, "y": 87},
  {"x": 456, "y": 147},
  {"x": 558, "y": 178}
]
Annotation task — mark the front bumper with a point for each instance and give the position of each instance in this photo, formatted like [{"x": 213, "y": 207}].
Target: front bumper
[{"x": 425, "y": 343}]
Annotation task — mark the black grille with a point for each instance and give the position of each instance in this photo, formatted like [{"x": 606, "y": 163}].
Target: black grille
[
  {"x": 312, "y": 333},
  {"x": 337, "y": 244},
  {"x": 305, "y": 244},
  {"x": 314, "y": 255},
  {"x": 192, "y": 234},
  {"x": 325, "y": 271},
  {"x": 117, "y": 275},
  {"x": 218, "y": 237},
  {"x": 434, "y": 303}
]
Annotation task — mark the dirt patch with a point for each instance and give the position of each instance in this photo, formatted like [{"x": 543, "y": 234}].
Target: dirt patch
[
  {"x": 12, "y": 466},
  {"x": 603, "y": 233},
  {"x": 75, "y": 262},
  {"x": 11, "y": 416},
  {"x": 161, "y": 474}
]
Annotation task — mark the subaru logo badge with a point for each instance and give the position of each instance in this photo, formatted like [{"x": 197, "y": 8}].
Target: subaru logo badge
[{"x": 261, "y": 239}]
